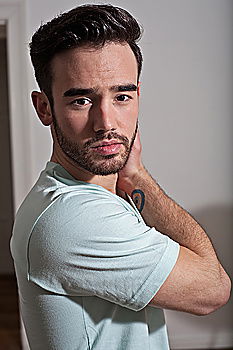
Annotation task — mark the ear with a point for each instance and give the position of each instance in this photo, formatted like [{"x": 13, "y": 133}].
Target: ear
[
  {"x": 139, "y": 88},
  {"x": 42, "y": 106}
]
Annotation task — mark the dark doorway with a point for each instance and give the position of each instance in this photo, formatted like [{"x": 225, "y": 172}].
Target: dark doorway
[
  {"x": 6, "y": 193},
  {"x": 9, "y": 314}
]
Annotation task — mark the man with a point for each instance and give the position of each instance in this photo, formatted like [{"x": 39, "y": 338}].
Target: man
[{"x": 99, "y": 248}]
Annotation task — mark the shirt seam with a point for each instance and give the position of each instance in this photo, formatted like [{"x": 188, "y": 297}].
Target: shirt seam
[{"x": 85, "y": 326}]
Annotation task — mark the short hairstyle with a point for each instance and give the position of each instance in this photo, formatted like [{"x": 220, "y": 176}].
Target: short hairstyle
[{"x": 92, "y": 25}]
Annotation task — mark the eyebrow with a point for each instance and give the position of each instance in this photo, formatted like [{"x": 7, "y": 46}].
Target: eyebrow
[
  {"x": 116, "y": 88},
  {"x": 127, "y": 87}
]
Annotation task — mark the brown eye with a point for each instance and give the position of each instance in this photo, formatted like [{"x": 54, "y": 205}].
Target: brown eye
[
  {"x": 123, "y": 98},
  {"x": 81, "y": 102}
]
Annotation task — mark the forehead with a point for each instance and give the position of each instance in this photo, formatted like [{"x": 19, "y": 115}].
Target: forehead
[{"x": 111, "y": 64}]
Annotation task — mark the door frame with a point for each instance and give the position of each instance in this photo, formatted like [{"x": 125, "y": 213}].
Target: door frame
[{"x": 14, "y": 13}]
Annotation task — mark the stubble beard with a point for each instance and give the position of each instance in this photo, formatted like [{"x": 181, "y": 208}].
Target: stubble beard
[{"x": 85, "y": 157}]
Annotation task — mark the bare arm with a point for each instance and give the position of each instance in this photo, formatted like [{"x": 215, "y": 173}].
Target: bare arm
[{"x": 197, "y": 284}]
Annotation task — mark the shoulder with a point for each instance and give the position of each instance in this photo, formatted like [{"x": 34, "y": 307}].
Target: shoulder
[{"x": 84, "y": 212}]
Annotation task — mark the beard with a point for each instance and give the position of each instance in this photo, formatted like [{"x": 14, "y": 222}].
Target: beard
[{"x": 86, "y": 158}]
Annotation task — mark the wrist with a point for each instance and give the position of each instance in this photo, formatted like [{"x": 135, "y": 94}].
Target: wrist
[{"x": 133, "y": 181}]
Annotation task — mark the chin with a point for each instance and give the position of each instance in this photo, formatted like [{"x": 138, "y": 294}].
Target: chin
[{"x": 110, "y": 165}]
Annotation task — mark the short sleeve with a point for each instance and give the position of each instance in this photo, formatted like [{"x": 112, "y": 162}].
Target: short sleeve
[{"x": 92, "y": 243}]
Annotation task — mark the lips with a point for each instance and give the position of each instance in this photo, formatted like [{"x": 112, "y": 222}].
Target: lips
[
  {"x": 107, "y": 147},
  {"x": 106, "y": 143}
]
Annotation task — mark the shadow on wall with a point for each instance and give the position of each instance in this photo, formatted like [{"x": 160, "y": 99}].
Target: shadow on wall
[
  {"x": 216, "y": 329},
  {"x": 218, "y": 223}
]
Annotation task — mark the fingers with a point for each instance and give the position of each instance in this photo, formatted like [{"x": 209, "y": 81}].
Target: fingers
[{"x": 137, "y": 141}]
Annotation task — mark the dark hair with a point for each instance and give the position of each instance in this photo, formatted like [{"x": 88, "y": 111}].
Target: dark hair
[{"x": 92, "y": 25}]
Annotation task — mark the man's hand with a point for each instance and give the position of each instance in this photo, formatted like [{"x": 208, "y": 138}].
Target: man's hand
[{"x": 133, "y": 167}]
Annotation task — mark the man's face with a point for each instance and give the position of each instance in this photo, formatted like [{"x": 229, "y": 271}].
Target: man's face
[{"x": 96, "y": 106}]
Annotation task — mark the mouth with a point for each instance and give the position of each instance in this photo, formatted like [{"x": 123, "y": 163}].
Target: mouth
[
  {"x": 107, "y": 147},
  {"x": 106, "y": 143}
]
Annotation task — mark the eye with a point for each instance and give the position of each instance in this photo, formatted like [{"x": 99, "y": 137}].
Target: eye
[
  {"x": 123, "y": 98},
  {"x": 81, "y": 102}
]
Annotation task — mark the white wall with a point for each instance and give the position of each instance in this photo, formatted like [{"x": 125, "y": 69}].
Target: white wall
[{"x": 186, "y": 125}]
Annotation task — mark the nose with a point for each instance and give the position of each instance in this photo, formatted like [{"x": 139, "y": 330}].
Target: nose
[{"x": 104, "y": 116}]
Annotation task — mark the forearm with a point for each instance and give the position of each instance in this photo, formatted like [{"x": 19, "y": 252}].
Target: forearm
[{"x": 168, "y": 217}]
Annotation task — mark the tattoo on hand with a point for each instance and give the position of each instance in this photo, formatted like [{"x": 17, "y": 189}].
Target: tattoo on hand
[{"x": 139, "y": 199}]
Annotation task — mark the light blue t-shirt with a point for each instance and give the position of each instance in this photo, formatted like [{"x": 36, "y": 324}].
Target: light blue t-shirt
[{"x": 87, "y": 265}]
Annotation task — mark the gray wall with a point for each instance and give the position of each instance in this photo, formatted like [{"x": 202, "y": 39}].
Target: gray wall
[{"x": 187, "y": 124}]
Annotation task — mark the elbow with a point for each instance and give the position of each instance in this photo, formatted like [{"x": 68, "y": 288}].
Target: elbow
[
  {"x": 224, "y": 291},
  {"x": 218, "y": 298}
]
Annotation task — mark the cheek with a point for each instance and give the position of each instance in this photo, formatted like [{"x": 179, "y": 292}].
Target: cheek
[
  {"x": 77, "y": 128},
  {"x": 68, "y": 119},
  {"x": 72, "y": 125},
  {"x": 129, "y": 119}
]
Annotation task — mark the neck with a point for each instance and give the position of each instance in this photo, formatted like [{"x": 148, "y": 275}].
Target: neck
[{"x": 108, "y": 182}]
